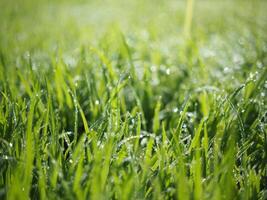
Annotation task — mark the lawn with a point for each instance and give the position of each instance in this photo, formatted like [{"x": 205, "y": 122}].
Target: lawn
[{"x": 133, "y": 99}]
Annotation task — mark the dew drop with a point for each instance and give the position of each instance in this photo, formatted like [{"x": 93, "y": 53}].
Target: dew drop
[
  {"x": 175, "y": 110},
  {"x": 259, "y": 64},
  {"x": 168, "y": 71},
  {"x": 153, "y": 68},
  {"x": 144, "y": 142},
  {"x": 226, "y": 69}
]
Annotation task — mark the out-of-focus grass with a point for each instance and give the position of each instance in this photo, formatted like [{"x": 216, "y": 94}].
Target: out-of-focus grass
[{"x": 115, "y": 99}]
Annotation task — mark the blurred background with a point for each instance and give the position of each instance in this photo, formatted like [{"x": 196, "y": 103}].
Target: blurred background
[
  {"x": 173, "y": 35},
  {"x": 27, "y": 24}
]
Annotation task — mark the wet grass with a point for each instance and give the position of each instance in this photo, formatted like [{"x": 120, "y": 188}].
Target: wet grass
[{"x": 133, "y": 100}]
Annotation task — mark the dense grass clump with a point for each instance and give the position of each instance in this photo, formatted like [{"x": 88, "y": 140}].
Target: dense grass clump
[{"x": 133, "y": 99}]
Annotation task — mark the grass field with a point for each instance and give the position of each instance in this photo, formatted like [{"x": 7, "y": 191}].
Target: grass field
[{"x": 124, "y": 99}]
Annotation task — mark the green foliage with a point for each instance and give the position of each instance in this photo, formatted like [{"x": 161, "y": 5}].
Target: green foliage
[{"x": 133, "y": 99}]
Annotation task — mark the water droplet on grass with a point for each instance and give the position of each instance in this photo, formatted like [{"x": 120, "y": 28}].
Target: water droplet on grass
[
  {"x": 226, "y": 69},
  {"x": 144, "y": 142},
  {"x": 168, "y": 71},
  {"x": 259, "y": 64},
  {"x": 153, "y": 68},
  {"x": 175, "y": 110}
]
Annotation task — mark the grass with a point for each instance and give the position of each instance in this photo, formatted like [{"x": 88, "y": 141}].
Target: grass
[{"x": 133, "y": 99}]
